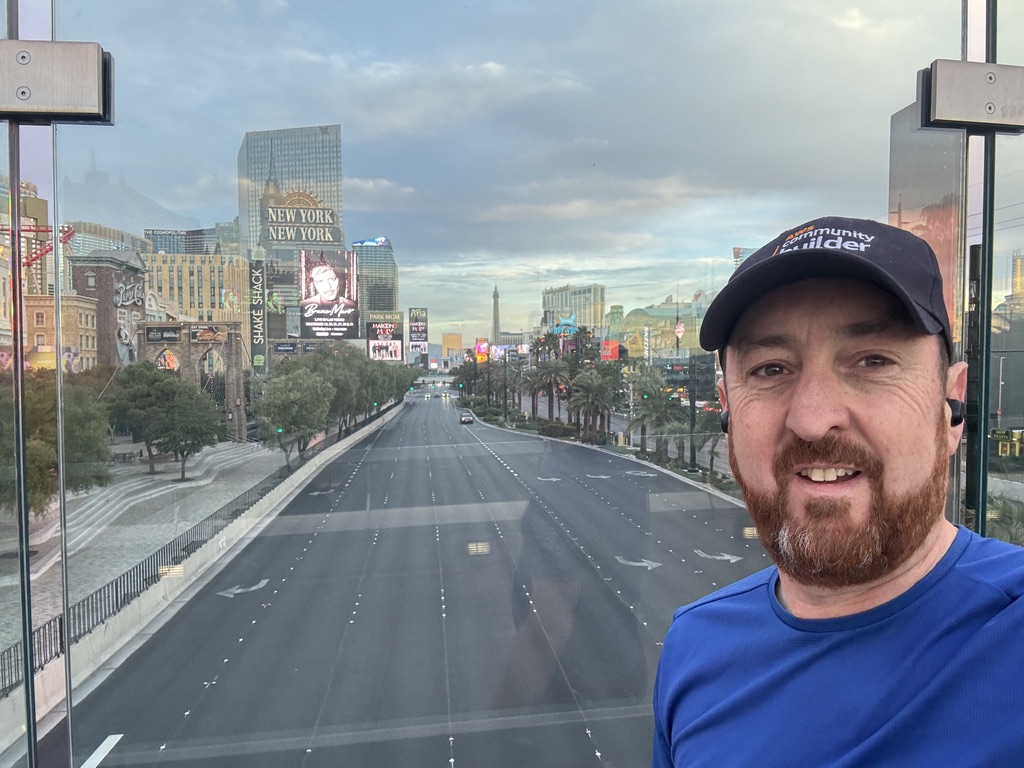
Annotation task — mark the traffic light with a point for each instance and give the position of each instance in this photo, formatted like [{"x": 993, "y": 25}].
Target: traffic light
[{"x": 279, "y": 430}]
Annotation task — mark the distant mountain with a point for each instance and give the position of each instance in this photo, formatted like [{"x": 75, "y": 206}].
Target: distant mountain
[{"x": 99, "y": 200}]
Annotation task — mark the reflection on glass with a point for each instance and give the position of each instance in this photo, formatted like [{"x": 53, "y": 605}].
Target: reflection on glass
[{"x": 280, "y": 550}]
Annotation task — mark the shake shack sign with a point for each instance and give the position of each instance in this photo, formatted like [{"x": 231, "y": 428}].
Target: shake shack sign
[{"x": 288, "y": 224}]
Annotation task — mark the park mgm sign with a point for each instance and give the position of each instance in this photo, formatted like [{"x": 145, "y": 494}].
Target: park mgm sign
[{"x": 1011, "y": 441}]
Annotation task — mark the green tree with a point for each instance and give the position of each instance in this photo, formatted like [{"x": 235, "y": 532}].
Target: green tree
[
  {"x": 137, "y": 401},
  {"x": 292, "y": 408},
  {"x": 592, "y": 396},
  {"x": 552, "y": 374},
  {"x": 192, "y": 421},
  {"x": 85, "y": 451},
  {"x": 644, "y": 384},
  {"x": 545, "y": 347}
]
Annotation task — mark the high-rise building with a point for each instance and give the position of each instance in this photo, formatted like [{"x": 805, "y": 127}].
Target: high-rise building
[
  {"x": 204, "y": 287},
  {"x": 289, "y": 204},
  {"x": 183, "y": 240},
  {"x": 583, "y": 304},
  {"x": 377, "y": 275},
  {"x": 451, "y": 345},
  {"x": 90, "y": 237},
  {"x": 303, "y": 165}
]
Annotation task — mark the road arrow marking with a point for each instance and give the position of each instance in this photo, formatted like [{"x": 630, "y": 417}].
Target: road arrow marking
[
  {"x": 600, "y": 477},
  {"x": 650, "y": 565},
  {"x": 318, "y": 493},
  {"x": 237, "y": 590},
  {"x": 640, "y": 473},
  {"x": 549, "y": 479},
  {"x": 719, "y": 556}
]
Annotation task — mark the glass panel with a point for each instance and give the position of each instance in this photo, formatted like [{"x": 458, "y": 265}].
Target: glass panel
[
  {"x": 279, "y": 553},
  {"x": 1005, "y": 509}
]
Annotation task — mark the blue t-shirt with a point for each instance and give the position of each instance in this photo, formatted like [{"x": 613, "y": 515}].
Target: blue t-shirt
[{"x": 932, "y": 678}]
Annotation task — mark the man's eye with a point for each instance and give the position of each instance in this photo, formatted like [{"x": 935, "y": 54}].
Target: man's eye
[
  {"x": 874, "y": 361},
  {"x": 769, "y": 369}
]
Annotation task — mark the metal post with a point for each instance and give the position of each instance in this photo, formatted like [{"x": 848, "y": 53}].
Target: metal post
[
  {"x": 999, "y": 400},
  {"x": 693, "y": 411},
  {"x": 20, "y": 450},
  {"x": 505, "y": 396},
  {"x": 984, "y": 301}
]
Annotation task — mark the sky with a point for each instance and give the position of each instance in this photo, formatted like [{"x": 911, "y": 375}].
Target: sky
[{"x": 522, "y": 144}]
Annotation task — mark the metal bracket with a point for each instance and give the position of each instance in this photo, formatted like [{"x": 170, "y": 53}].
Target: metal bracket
[
  {"x": 975, "y": 96},
  {"x": 44, "y": 82}
]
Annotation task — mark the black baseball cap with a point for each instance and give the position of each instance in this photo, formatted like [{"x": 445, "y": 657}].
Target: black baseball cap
[{"x": 833, "y": 246}]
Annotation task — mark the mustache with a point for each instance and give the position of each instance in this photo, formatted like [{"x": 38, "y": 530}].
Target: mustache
[{"x": 830, "y": 450}]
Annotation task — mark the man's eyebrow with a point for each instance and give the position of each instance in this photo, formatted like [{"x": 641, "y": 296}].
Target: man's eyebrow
[
  {"x": 900, "y": 327},
  {"x": 766, "y": 341}
]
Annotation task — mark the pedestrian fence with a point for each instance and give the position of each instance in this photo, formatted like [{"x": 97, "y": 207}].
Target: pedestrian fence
[{"x": 94, "y": 609}]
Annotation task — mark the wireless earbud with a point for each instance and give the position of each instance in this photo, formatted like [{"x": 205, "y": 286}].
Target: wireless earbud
[
  {"x": 724, "y": 416},
  {"x": 958, "y": 411}
]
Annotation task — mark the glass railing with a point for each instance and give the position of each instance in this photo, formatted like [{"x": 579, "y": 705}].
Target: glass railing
[{"x": 276, "y": 554}]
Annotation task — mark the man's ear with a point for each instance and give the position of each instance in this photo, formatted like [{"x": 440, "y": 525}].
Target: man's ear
[
  {"x": 722, "y": 397},
  {"x": 956, "y": 381},
  {"x": 956, "y": 389}
]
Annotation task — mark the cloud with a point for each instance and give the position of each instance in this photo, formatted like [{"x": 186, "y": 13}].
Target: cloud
[
  {"x": 376, "y": 194},
  {"x": 525, "y": 143}
]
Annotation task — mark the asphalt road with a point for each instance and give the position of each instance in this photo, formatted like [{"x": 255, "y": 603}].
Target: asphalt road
[{"x": 440, "y": 595}]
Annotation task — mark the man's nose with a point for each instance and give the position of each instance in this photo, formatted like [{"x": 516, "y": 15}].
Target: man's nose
[{"x": 817, "y": 406}]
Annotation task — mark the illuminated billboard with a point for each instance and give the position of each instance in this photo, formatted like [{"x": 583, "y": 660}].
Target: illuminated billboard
[
  {"x": 385, "y": 335},
  {"x": 257, "y": 317},
  {"x": 162, "y": 334},
  {"x": 217, "y": 334},
  {"x": 417, "y": 325},
  {"x": 481, "y": 350},
  {"x": 294, "y": 224},
  {"x": 609, "y": 350},
  {"x": 327, "y": 290}
]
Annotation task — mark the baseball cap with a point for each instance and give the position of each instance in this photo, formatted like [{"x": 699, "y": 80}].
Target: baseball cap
[{"x": 834, "y": 246}]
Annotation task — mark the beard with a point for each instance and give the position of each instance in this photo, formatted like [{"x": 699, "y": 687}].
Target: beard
[{"x": 827, "y": 547}]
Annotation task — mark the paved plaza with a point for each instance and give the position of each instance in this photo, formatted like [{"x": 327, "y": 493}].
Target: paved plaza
[{"x": 111, "y": 529}]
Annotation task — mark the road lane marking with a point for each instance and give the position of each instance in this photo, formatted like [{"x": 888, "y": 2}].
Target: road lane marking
[{"x": 103, "y": 750}]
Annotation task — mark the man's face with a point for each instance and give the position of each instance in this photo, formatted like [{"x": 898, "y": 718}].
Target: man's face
[
  {"x": 326, "y": 283},
  {"x": 838, "y": 435}
]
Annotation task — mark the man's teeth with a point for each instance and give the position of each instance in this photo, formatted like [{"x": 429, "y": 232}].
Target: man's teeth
[{"x": 826, "y": 475}]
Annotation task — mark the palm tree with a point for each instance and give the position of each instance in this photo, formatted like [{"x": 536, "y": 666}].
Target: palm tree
[
  {"x": 644, "y": 383},
  {"x": 518, "y": 379},
  {"x": 544, "y": 347},
  {"x": 655, "y": 412},
  {"x": 551, "y": 374},
  {"x": 592, "y": 396},
  {"x": 708, "y": 429}
]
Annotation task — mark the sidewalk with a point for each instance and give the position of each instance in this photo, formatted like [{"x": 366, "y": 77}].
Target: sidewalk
[{"x": 111, "y": 529}]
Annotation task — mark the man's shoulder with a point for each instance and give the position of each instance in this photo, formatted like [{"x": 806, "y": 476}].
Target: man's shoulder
[
  {"x": 739, "y": 590},
  {"x": 994, "y": 562}
]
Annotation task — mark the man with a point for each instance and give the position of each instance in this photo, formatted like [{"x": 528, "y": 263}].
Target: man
[
  {"x": 884, "y": 635},
  {"x": 326, "y": 287}
]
